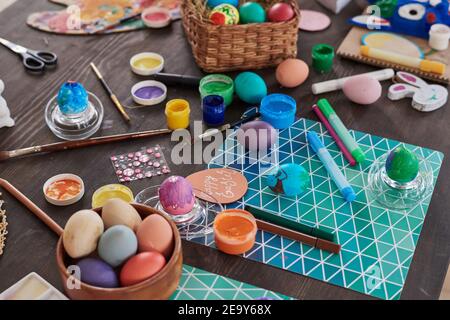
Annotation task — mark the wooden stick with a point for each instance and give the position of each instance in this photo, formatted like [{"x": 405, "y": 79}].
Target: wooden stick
[
  {"x": 67, "y": 145},
  {"x": 32, "y": 207},
  {"x": 113, "y": 97},
  {"x": 298, "y": 236}
]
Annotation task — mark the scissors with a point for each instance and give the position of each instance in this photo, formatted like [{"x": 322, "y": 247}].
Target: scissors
[{"x": 31, "y": 59}]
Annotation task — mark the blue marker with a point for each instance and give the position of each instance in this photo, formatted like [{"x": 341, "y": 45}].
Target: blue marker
[{"x": 344, "y": 187}]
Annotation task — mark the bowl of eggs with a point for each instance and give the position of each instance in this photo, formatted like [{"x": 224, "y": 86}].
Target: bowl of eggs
[{"x": 120, "y": 251}]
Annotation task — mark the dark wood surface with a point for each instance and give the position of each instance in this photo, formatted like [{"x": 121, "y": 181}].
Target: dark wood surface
[{"x": 31, "y": 246}]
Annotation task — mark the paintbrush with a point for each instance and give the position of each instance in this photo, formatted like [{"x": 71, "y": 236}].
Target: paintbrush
[
  {"x": 110, "y": 93},
  {"x": 66, "y": 145}
]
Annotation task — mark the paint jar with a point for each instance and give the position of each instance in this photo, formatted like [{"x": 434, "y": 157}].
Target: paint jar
[
  {"x": 177, "y": 114},
  {"x": 278, "y": 110},
  {"x": 217, "y": 84},
  {"x": 213, "y": 110},
  {"x": 439, "y": 36},
  {"x": 322, "y": 58}
]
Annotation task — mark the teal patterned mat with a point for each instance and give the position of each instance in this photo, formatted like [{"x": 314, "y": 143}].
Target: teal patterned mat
[
  {"x": 198, "y": 284},
  {"x": 377, "y": 244}
]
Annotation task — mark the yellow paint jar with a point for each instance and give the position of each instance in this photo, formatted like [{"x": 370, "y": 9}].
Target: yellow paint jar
[
  {"x": 177, "y": 114},
  {"x": 110, "y": 191},
  {"x": 146, "y": 63}
]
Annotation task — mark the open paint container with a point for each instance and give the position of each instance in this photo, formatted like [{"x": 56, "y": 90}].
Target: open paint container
[
  {"x": 149, "y": 92},
  {"x": 217, "y": 84},
  {"x": 147, "y": 63},
  {"x": 110, "y": 191},
  {"x": 278, "y": 110},
  {"x": 156, "y": 17},
  {"x": 63, "y": 189}
]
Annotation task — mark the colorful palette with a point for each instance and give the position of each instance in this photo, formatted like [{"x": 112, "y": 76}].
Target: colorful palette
[
  {"x": 198, "y": 284},
  {"x": 377, "y": 244}
]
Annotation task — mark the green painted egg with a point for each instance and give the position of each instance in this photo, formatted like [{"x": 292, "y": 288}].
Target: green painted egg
[
  {"x": 250, "y": 87},
  {"x": 252, "y": 12},
  {"x": 402, "y": 165}
]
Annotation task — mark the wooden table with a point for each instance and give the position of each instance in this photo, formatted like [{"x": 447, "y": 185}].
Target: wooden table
[{"x": 31, "y": 246}]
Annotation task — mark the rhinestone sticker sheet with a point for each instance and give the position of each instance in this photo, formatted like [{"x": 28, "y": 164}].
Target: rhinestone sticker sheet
[{"x": 145, "y": 163}]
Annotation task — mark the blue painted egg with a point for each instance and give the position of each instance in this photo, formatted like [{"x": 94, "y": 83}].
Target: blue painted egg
[
  {"x": 215, "y": 3},
  {"x": 117, "y": 244},
  {"x": 97, "y": 273},
  {"x": 289, "y": 179},
  {"x": 252, "y": 12},
  {"x": 250, "y": 87},
  {"x": 72, "y": 98}
]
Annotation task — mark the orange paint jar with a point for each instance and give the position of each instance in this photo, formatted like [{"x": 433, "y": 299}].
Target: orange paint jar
[{"x": 234, "y": 231}]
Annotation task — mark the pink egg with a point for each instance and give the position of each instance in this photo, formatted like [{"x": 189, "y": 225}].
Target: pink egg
[
  {"x": 280, "y": 12},
  {"x": 362, "y": 89},
  {"x": 141, "y": 267},
  {"x": 176, "y": 195},
  {"x": 155, "y": 234}
]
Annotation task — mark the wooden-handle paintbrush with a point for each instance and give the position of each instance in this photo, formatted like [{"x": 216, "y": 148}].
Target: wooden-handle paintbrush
[
  {"x": 113, "y": 97},
  {"x": 66, "y": 145}
]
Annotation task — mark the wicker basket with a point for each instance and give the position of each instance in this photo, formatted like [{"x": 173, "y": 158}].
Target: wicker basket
[{"x": 238, "y": 47}]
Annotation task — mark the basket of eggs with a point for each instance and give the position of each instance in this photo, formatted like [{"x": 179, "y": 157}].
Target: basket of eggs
[{"x": 227, "y": 35}]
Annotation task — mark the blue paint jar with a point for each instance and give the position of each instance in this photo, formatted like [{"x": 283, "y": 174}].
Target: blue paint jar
[
  {"x": 213, "y": 110},
  {"x": 278, "y": 110}
]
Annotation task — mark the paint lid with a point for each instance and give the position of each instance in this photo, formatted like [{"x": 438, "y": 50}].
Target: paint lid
[
  {"x": 111, "y": 191},
  {"x": 147, "y": 63},
  {"x": 156, "y": 17},
  {"x": 149, "y": 92},
  {"x": 67, "y": 200}
]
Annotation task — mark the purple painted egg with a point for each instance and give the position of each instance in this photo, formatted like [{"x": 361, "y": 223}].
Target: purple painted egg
[
  {"x": 257, "y": 135},
  {"x": 97, "y": 273},
  {"x": 176, "y": 195}
]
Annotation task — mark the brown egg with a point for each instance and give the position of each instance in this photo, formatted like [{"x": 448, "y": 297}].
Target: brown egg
[
  {"x": 155, "y": 234},
  {"x": 118, "y": 212},
  {"x": 292, "y": 73}
]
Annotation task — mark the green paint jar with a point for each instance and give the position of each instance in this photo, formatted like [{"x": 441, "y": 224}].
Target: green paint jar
[
  {"x": 217, "y": 84},
  {"x": 322, "y": 58}
]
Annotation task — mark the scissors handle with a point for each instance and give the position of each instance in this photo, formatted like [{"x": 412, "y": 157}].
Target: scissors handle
[
  {"x": 32, "y": 63},
  {"x": 47, "y": 57}
]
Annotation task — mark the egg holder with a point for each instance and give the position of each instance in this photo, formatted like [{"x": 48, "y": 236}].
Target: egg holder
[
  {"x": 396, "y": 195},
  {"x": 191, "y": 225},
  {"x": 159, "y": 287}
]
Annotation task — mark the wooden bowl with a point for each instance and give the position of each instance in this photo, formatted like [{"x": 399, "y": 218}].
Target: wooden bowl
[{"x": 159, "y": 287}]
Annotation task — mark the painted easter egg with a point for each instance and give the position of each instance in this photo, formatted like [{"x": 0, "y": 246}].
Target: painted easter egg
[
  {"x": 224, "y": 14},
  {"x": 252, "y": 12},
  {"x": 141, "y": 267},
  {"x": 257, "y": 135},
  {"x": 176, "y": 195},
  {"x": 72, "y": 98},
  {"x": 117, "y": 244},
  {"x": 292, "y": 73},
  {"x": 280, "y": 12},
  {"x": 402, "y": 165},
  {"x": 215, "y": 3},
  {"x": 250, "y": 87},
  {"x": 290, "y": 179},
  {"x": 97, "y": 273},
  {"x": 362, "y": 89},
  {"x": 155, "y": 234},
  {"x": 118, "y": 212},
  {"x": 81, "y": 233}
]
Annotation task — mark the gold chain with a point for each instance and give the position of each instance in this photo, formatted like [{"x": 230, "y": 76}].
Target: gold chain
[{"x": 3, "y": 225}]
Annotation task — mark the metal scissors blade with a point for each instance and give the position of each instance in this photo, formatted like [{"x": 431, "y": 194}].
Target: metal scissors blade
[{"x": 14, "y": 47}]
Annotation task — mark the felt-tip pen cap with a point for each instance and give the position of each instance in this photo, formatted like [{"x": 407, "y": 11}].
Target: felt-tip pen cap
[
  {"x": 325, "y": 107},
  {"x": 314, "y": 141}
]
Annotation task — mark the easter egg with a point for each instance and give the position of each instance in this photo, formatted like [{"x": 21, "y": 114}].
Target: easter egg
[
  {"x": 72, "y": 98},
  {"x": 290, "y": 179},
  {"x": 117, "y": 244},
  {"x": 292, "y": 73},
  {"x": 224, "y": 14},
  {"x": 402, "y": 165},
  {"x": 252, "y": 12},
  {"x": 250, "y": 87},
  {"x": 81, "y": 233},
  {"x": 362, "y": 89},
  {"x": 215, "y": 3},
  {"x": 97, "y": 273},
  {"x": 155, "y": 234},
  {"x": 118, "y": 212},
  {"x": 176, "y": 195},
  {"x": 257, "y": 135},
  {"x": 280, "y": 12},
  {"x": 141, "y": 267}
]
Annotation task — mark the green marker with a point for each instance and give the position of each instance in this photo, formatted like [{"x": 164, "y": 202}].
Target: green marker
[{"x": 341, "y": 130}]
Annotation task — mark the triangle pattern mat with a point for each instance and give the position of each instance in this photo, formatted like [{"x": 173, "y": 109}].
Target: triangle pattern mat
[
  {"x": 198, "y": 284},
  {"x": 377, "y": 244}
]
